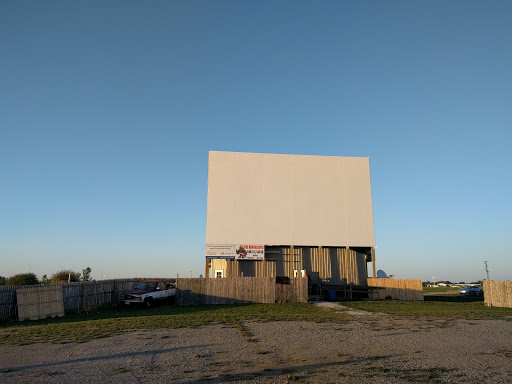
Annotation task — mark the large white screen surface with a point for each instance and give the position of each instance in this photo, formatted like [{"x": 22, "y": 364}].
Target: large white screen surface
[{"x": 272, "y": 199}]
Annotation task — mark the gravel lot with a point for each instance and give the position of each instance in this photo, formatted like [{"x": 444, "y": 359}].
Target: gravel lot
[{"x": 376, "y": 349}]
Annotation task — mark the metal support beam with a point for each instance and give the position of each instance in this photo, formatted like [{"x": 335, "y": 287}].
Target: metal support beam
[
  {"x": 373, "y": 262},
  {"x": 291, "y": 261},
  {"x": 320, "y": 262}
]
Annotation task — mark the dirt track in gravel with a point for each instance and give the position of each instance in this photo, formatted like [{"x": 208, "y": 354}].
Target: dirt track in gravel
[{"x": 377, "y": 349}]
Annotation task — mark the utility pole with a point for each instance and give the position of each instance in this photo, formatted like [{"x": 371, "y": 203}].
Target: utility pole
[{"x": 486, "y": 271}]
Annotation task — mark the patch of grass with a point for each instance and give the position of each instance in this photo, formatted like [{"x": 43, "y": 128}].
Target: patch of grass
[
  {"x": 104, "y": 322},
  {"x": 379, "y": 357},
  {"x": 441, "y": 307},
  {"x": 440, "y": 289},
  {"x": 504, "y": 352},
  {"x": 121, "y": 369},
  {"x": 50, "y": 373},
  {"x": 240, "y": 377},
  {"x": 243, "y": 330},
  {"x": 153, "y": 368}
]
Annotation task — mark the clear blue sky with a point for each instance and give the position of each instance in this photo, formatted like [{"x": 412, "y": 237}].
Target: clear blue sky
[{"x": 108, "y": 111}]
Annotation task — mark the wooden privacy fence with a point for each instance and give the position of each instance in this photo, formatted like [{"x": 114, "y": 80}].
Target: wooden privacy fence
[
  {"x": 231, "y": 290},
  {"x": 34, "y": 302},
  {"x": 83, "y": 296},
  {"x": 8, "y": 302},
  {"x": 397, "y": 289},
  {"x": 38, "y": 303},
  {"x": 498, "y": 293},
  {"x": 74, "y": 296}
]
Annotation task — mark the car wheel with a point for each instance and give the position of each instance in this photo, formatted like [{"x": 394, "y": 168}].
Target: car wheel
[{"x": 148, "y": 303}]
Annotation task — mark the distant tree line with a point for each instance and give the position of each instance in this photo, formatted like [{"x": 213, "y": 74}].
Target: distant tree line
[{"x": 62, "y": 276}]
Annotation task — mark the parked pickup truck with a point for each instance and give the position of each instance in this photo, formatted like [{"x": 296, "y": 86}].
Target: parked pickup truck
[{"x": 148, "y": 292}]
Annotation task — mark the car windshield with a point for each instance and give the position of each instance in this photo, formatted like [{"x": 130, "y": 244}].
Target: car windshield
[{"x": 145, "y": 285}]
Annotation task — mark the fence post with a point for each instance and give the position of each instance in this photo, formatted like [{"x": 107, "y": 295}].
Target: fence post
[
  {"x": 115, "y": 292},
  {"x": 84, "y": 295}
]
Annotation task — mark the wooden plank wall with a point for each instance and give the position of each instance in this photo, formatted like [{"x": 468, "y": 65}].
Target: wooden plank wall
[
  {"x": 498, "y": 293},
  {"x": 231, "y": 290},
  {"x": 337, "y": 266},
  {"x": 397, "y": 289},
  {"x": 41, "y": 302}
]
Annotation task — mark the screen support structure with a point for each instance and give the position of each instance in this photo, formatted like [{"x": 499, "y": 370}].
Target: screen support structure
[{"x": 373, "y": 262}]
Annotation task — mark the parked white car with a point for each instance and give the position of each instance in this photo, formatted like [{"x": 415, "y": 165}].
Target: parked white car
[{"x": 472, "y": 290}]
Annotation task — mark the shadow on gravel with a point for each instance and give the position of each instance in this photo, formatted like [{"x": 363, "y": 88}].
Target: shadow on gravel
[
  {"x": 106, "y": 357},
  {"x": 454, "y": 299}
]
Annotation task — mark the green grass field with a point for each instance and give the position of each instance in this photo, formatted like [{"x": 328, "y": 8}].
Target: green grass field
[
  {"x": 445, "y": 307},
  {"x": 104, "y": 322},
  {"x": 440, "y": 289}
]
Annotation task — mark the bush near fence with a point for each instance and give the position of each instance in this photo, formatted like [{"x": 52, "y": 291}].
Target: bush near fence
[{"x": 498, "y": 293}]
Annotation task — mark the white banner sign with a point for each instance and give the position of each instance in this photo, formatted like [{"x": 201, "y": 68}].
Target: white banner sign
[
  {"x": 233, "y": 251},
  {"x": 220, "y": 251}
]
